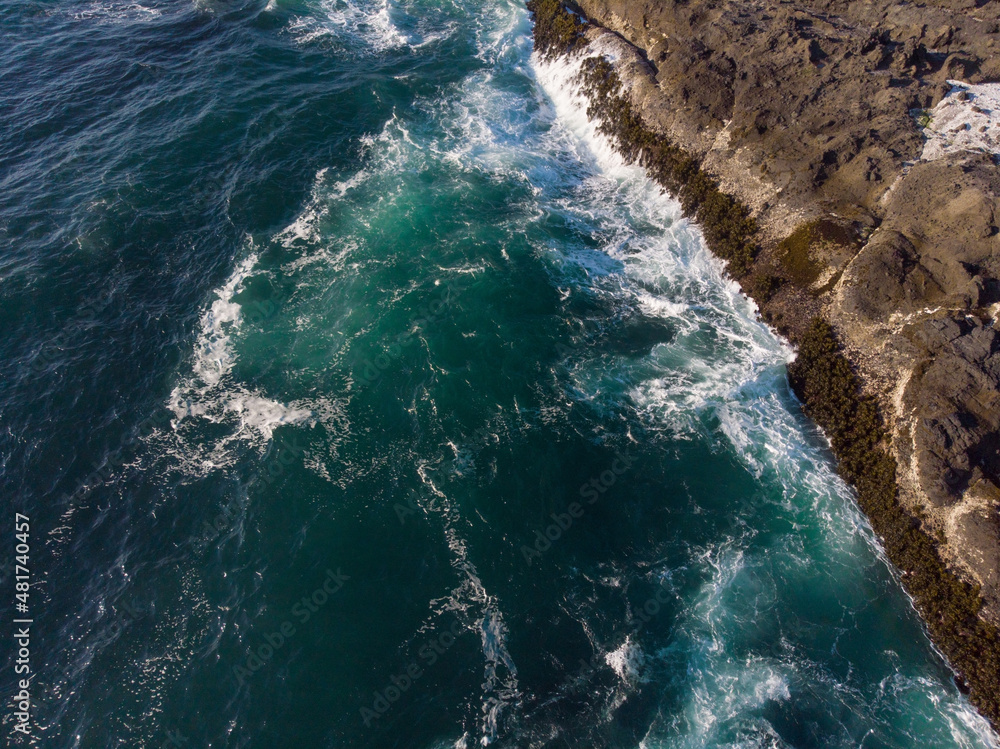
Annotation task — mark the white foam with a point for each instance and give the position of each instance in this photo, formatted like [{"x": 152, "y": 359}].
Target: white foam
[
  {"x": 305, "y": 227},
  {"x": 211, "y": 393},
  {"x": 723, "y": 370},
  {"x": 559, "y": 79},
  {"x": 966, "y": 119},
  {"x": 658, "y": 306},
  {"x": 500, "y": 686},
  {"x": 263, "y": 414},
  {"x": 117, "y": 12},
  {"x": 213, "y": 353},
  {"x": 628, "y": 661},
  {"x": 305, "y": 235},
  {"x": 969, "y": 729},
  {"x": 670, "y": 273},
  {"x": 773, "y": 687},
  {"x": 722, "y": 376},
  {"x": 349, "y": 20}
]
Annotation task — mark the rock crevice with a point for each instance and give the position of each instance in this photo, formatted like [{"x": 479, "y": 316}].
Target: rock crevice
[{"x": 827, "y": 148}]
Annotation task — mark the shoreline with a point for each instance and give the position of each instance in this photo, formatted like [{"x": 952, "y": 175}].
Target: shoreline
[{"x": 836, "y": 379}]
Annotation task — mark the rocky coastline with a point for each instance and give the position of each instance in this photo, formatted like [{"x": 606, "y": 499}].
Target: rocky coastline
[{"x": 841, "y": 157}]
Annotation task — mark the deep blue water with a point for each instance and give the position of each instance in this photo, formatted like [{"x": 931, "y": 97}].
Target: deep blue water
[{"x": 358, "y": 396}]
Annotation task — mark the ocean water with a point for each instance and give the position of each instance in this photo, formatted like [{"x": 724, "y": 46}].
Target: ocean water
[{"x": 359, "y": 396}]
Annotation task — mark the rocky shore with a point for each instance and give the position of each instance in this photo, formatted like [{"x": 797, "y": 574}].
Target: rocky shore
[{"x": 842, "y": 158}]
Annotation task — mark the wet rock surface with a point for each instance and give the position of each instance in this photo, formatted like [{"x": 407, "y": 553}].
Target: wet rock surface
[{"x": 811, "y": 113}]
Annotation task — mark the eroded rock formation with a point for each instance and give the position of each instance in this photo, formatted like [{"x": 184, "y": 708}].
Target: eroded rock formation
[
  {"x": 810, "y": 112},
  {"x": 874, "y": 211}
]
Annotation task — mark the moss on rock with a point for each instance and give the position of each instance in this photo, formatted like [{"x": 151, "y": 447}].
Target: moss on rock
[
  {"x": 763, "y": 286},
  {"x": 799, "y": 252},
  {"x": 821, "y": 375},
  {"x": 557, "y": 31},
  {"x": 831, "y": 392},
  {"x": 730, "y": 231}
]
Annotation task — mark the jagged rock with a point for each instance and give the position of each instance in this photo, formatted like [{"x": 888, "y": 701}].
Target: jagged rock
[
  {"x": 809, "y": 111},
  {"x": 825, "y": 90},
  {"x": 974, "y": 529},
  {"x": 886, "y": 277}
]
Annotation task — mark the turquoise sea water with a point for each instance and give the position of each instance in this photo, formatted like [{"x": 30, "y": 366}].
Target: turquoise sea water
[{"x": 360, "y": 397}]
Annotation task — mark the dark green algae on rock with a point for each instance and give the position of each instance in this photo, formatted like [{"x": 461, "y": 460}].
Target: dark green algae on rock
[{"x": 821, "y": 375}]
